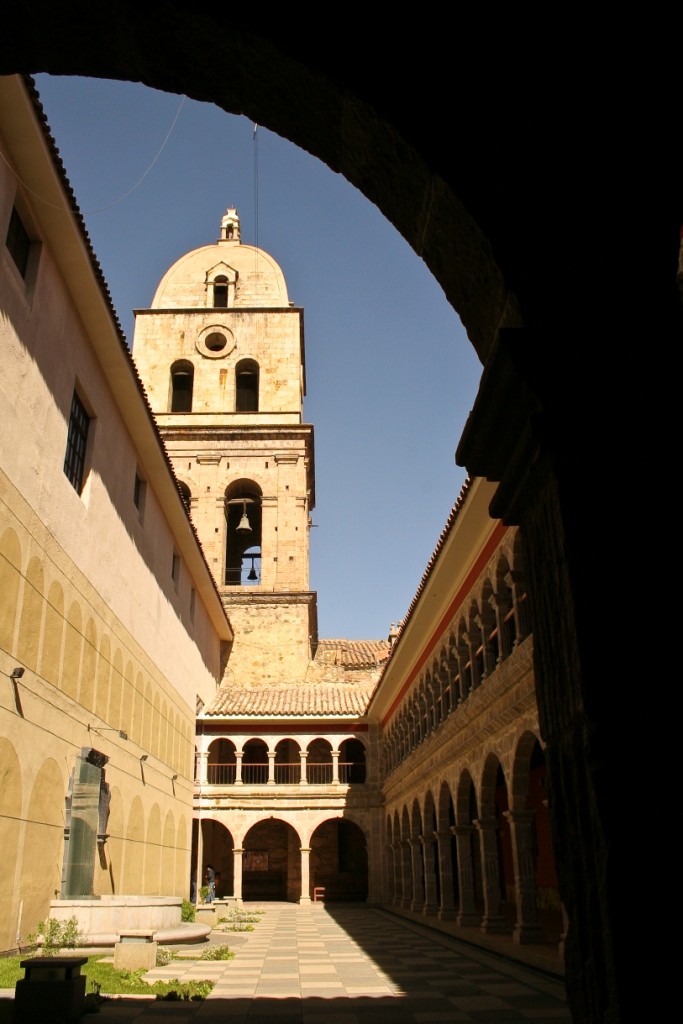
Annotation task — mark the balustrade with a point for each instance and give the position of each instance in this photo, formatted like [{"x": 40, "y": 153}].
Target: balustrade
[{"x": 321, "y": 774}]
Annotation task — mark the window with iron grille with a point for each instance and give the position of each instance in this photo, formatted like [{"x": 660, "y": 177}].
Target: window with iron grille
[{"x": 76, "y": 442}]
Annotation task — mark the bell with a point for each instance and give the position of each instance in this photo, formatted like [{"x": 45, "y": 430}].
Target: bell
[
  {"x": 252, "y": 575},
  {"x": 243, "y": 525}
]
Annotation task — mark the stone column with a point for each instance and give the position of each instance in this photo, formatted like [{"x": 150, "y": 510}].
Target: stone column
[
  {"x": 467, "y": 913},
  {"x": 305, "y": 875},
  {"x": 398, "y": 874},
  {"x": 447, "y": 910},
  {"x": 335, "y": 766},
  {"x": 271, "y": 767},
  {"x": 239, "y": 754},
  {"x": 527, "y": 927},
  {"x": 406, "y": 875},
  {"x": 202, "y": 767},
  {"x": 431, "y": 904},
  {"x": 417, "y": 865},
  {"x": 492, "y": 923},
  {"x": 198, "y": 880},
  {"x": 237, "y": 873},
  {"x": 303, "y": 755}
]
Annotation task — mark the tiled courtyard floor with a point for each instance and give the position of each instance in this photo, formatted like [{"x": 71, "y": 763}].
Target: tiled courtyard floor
[{"x": 350, "y": 965}]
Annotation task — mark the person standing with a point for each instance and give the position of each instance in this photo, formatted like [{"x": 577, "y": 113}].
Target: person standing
[{"x": 210, "y": 880}]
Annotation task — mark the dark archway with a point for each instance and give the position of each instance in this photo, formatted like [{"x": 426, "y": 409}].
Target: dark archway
[
  {"x": 271, "y": 862},
  {"x": 339, "y": 861},
  {"x": 506, "y": 174}
]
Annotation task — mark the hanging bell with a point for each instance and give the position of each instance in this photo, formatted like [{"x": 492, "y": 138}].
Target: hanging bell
[
  {"x": 243, "y": 525},
  {"x": 252, "y": 574}
]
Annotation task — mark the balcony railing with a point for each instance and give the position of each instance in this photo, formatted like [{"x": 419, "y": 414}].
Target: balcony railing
[
  {"x": 317, "y": 774},
  {"x": 221, "y": 774}
]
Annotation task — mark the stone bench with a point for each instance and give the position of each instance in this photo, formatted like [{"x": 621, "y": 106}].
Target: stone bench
[{"x": 136, "y": 948}]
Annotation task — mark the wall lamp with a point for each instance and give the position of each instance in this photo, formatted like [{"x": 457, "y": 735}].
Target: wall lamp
[
  {"x": 17, "y": 673},
  {"x": 173, "y": 778},
  {"x": 96, "y": 728},
  {"x": 143, "y": 757}
]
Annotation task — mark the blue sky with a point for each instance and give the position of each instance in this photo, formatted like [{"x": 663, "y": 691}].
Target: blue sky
[{"x": 391, "y": 376}]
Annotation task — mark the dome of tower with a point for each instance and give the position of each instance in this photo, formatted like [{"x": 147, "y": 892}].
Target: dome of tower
[{"x": 225, "y": 274}]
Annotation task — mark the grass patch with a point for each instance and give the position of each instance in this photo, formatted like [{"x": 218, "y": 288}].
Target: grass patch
[{"x": 103, "y": 978}]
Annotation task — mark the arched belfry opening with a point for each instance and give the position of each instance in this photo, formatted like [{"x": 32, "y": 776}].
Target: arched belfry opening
[
  {"x": 243, "y": 527},
  {"x": 247, "y": 386},
  {"x": 182, "y": 386}
]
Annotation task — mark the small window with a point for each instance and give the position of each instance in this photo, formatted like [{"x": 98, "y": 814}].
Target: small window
[
  {"x": 139, "y": 493},
  {"x": 182, "y": 384},
  {"x": 76, "y": 443},
  {"x": 193, "y": 602},
  {"x": 220, "y": 292},
  {"x": 175, "y": 568},
  {"x": 18, "y": 243}
]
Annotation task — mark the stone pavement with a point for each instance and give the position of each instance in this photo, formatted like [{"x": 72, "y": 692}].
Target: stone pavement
[{"x": 349, "y": 965}]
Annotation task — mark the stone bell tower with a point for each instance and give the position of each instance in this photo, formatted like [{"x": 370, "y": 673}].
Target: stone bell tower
[{"x": 221, "y": 355}]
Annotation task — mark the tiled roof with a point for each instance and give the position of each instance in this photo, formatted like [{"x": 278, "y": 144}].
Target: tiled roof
[
  {"x": 352, "y": 653},
  {"x": 314, "y": 700}
]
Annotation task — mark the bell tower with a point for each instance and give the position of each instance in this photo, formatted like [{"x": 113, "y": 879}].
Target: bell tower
[{"x": 221, "y": 355}]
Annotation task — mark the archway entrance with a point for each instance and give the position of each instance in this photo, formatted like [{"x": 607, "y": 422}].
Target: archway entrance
[
  {"x": 339, "y": 862},
  {"x": 271, "y": 862}
]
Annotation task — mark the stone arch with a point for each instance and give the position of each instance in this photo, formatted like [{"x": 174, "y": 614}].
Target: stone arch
[
  {"x": 86, "y": 693},
  {"x": 152, "y": 872},
  {"x": 156, "y": 723},
  {"x": 352, "y": 763},
  {"x": 138, "y": 709},
  {"x": 319, "y": 761},
  {"x": 221, "y": 762},
  {"x": 271, "y": 865},
  {"x": 115, "y": 691},
  {"x": 10, "y": 582},
  {"x": 73, "y": 649},
  {"x": 243, "y": 533},
  {"x": 103, "y": 676},
  {"x": 147, "y": 718},
  {"x": 339, "y": 861},
  {"x": 32, "y": 612},
  {"x": 44, "y": 832},
  {"x": 287, "y": 761},
  {"x": 127, "y": 695},
  {"x": 163, "y": 733},
  {"x": 115, "y": 846},
  {"x": 481, "y": 224},
  {"x": 167, "y": 876},
  {"x": 51, "y": 655},
  {"x": 255, "y": 761},
  {"x": 11, "y": 799},
  {"x": 182, "y": 859},
  {"x": 218, "y": 845},
  {"x": 530, "y": 793},
  {"x": 134, "y": 853}
]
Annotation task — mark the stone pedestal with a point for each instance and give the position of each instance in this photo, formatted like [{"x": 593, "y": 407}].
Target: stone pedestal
[
  {"x": 135, "y": 949},
  {"x": 51, "y": 989}
]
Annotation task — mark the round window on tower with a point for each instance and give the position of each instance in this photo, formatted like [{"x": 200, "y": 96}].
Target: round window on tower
[{"x": 215, "y": 342}]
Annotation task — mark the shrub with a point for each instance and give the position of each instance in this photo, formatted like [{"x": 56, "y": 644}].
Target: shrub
[
  {"x": 50, "y": 936},
  {"x": 164, "y": 956},
  {"x": 187, "y": 911}
]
